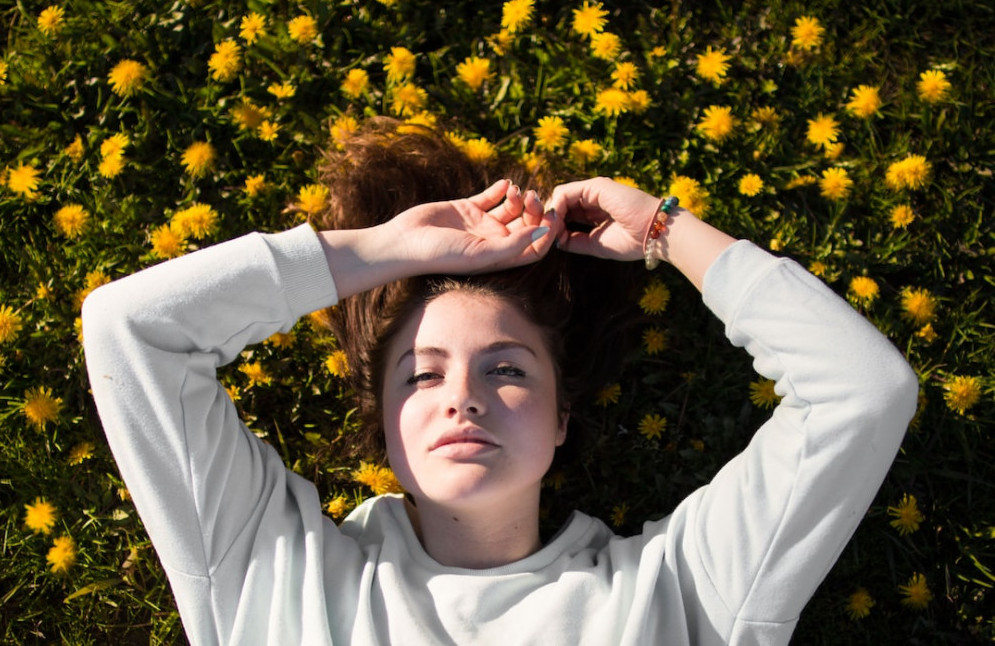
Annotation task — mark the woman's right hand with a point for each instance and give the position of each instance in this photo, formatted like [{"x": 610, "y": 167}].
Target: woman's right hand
[
  {"x": 495, "y": 229},
  {"x": 619, "y": 214}
]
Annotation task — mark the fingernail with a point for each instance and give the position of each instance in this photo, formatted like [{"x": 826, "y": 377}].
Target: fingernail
[
  {"x": 551, "y": 214},
  {"x": 540, "y": 232}
]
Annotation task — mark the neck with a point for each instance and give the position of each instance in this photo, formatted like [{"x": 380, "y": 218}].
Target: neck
[{"x": 478, "y": 538}]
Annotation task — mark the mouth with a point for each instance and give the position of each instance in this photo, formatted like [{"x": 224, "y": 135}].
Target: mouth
[{"x": 464, "y": 440}]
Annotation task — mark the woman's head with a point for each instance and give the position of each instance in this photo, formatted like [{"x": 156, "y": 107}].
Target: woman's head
[{"x": 576, "y": 303}]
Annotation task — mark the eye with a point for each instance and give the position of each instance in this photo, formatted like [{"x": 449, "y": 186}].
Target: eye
[
  {"x": 422, "y": 377},
  {"x": 506, "y": 370}
]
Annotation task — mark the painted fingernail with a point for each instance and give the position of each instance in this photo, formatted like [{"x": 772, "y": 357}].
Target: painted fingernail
[
  {"x": 540, "y": 232},
  {"x": 551, "y": 214}
]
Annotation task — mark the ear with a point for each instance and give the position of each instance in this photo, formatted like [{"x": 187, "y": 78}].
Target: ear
[{"x": 561, "y": 430}]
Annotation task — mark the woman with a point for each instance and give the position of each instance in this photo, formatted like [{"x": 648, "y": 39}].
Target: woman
[{"x": 466, "y": 379}]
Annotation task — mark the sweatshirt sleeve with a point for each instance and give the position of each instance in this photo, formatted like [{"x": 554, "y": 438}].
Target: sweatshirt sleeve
[
  {"x": 208, "y": 490},
  {"x": 768, "y": 528}
]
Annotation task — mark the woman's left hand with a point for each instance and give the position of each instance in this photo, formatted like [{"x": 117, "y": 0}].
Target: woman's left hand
[{"x": 495, "y": 229}]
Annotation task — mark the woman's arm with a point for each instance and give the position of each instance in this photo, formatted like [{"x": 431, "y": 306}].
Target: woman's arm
[
  {"x": 751, "y": 547},
  {"x": 239, "y": 534}
]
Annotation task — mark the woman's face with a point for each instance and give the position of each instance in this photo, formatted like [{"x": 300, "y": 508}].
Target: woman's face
[{"x": 470, "y": 408}]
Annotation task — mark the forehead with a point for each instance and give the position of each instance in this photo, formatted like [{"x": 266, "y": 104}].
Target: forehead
[{"x": 463, "y": 319}]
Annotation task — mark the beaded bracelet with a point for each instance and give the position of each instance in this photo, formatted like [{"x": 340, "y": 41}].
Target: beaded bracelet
[{"x": 651, "y": 241}]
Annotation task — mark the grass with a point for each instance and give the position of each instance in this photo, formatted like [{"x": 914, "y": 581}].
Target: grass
[{"x": 54, "y": 87}]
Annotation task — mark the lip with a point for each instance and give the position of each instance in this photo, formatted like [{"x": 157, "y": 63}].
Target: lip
[{"x": 464, "y": 436}]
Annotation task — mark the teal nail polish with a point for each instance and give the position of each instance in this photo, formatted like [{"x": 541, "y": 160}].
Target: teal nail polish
[{"x": 540, "y": 232}]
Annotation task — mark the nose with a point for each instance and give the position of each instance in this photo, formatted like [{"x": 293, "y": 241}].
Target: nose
[{"x": 464, "y": 396}]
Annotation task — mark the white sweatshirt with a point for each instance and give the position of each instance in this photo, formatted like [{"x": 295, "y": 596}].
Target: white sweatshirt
[{"x": 252, "y": 560}]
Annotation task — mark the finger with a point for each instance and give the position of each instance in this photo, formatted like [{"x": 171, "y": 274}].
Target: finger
[
  {"x": 533, "y": 211},
  {"x": 492, "y": 195},
  {"x": 511, "y": 208}
]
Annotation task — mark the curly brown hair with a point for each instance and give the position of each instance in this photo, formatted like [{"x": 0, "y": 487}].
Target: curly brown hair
[{"x": 582, "y": 305}]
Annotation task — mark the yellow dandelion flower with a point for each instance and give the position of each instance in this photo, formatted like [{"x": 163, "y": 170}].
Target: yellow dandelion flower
[
  {"x": 750, "y": 184},
  {"x": 338, "y": 364},
  {"x": 127, "y": 77},
  {"x": 399, "y": 64},
  {"x": 835, "y": 183},
  {"x": 343, "y": 128},
  {"x": 39, "y": 516},
  {"x": 823, "y": 130},
  {"x": 62, "y": 555},
  {"x": 196, "y": 221},
  {"x": 765, "y": 117},
  {"x": 312, "y": 198},
  {"x": 255, "y": 184},
  {"x": 40, "y": 407},
  {"x": 167, "y": 242},
  {"x": 803, "y": 180},
  {"x": 10, "y": 323},
  {"x": 932, "y": 86},
  {"x": 80, "y": 453},
  {"x": 713, "y": 65},
  {"x": 654, "y": 341},
  {"x": 652, "y": 426},
  {"x": 691, "y": 194},
  {"x": 961, "y": 393},
  {"x": 355, "y": 83},
  {"x": 863, "y": 289},
  {"x": 474, "y": 71},
  {"x": 912, "y": 173},
  {"x": 918, "y": 306},
  {"x": 906, "y": 515},
  {"x": 589, "y": 19},
  {"x": 608, "y": 395},
  {"x": 198, "y": 158},
  {"x": 624, "y": 75},
  {"x": 716, "y": 122},
  {"x": 532, "y": 162},
  {"x": 71, "y": 219},
  {"x": 916, "y": 592},
  {"x": 337, "y": 507},
  {"x": 762, "y": 394},
  {"x": 408, "y": 99},
  {"x": 901, "y": 216},
  {"x": 655, "y": 297},
  {"x": 380, "y": 479},
  {"x": 639, "y": 101},
  {"x": 479, "y": 149},
  {"x": 282, "y": 90},
  {"x": 226, "y": 61},
  {"x": 303, "y": 29},
  {"x": 280, "y": 339},
  {"x": 807, "y": 33},
  {"x": 834, "y": 150},
  {"x": 865, "y": 101},
  {"x": 24, "y": 180},
  {"x": 3, "y": 73},
  {"x": 516, "y": 14},
  {"x": 818, "y": 268},
  {"x": 249, "y": 116},
  {"x": 927, "y": 333},
  {"x": 501, "y": 42},
  {"x": 94, "y": 279},
  {"x": 627, "y": 181},
  {"x": 75, "y": 150},
  {"x": 268, "y": 130},
  {"x": 551, "y": 133},
  {"x": 619, "y": 512},
  {"x": 859, "y": 604},
  {"x": 252, "y": 27},
  {"x": 50, "y": 20},
  {"x": 585, "y": 151},
  {"x": 606, "y": 46},
  {"x": 611, "y": 101},
  {"x": 256, "y": 373},
  {"x": 114, "y": 145}
]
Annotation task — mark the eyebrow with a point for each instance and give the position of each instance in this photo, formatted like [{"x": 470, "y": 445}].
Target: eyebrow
[{"x": 433, "y": 351}]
